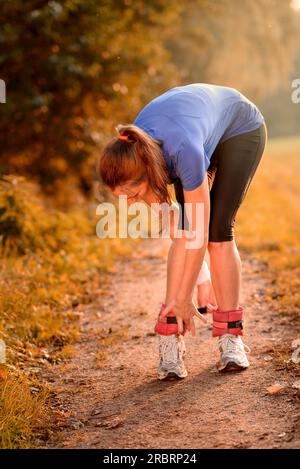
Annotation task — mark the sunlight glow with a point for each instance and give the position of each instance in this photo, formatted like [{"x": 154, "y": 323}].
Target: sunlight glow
[{"x": 295, "y": 4}]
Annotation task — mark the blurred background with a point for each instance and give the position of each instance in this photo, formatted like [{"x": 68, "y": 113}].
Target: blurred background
[{"x": 74, "y": 69}]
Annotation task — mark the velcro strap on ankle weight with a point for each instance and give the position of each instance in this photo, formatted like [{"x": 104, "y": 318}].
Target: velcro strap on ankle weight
[
  {"x": 202, "y": 309},
  {"x": 171, "y": 320},
  {"x": 228, "y": 322}
]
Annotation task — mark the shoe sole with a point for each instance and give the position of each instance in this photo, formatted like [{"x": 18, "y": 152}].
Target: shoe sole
[
  {"x": 232, "y": 366},
  {"x": 172, "y": 377}
]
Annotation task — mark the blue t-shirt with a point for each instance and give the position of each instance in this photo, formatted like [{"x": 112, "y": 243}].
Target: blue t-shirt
[{"x": 191, "y": 120}]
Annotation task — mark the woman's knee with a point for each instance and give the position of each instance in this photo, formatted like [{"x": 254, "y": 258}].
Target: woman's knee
[{"x": 218, "y": 245}]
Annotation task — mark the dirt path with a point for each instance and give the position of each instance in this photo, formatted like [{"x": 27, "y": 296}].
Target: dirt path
[{"x": 121, "y": 404}]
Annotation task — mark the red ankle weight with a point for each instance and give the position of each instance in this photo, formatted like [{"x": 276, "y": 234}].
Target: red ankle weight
[
  {"x": 228, "y": 322},
  {"x": 170, "y": 325}
]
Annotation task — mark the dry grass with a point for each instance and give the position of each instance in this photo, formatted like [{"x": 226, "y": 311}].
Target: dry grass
[{"x": 22, "y": 412}]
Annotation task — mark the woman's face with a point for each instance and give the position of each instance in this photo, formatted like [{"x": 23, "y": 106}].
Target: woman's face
[{"x": 136, "y": 193}]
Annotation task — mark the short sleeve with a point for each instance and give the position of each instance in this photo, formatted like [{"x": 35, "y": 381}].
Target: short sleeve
[{"x": 190, "y": 164}]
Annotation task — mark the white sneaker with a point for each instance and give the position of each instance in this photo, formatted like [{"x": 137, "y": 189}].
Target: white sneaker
[
  {"x": 233, "y": 353},
  {"x": 171, "y": 353}
]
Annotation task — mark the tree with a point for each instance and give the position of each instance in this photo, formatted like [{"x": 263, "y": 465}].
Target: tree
[
  {"x": 75, "y": 68},
  {"x": 249, "y": 45},
  {"x": 71, "y": 69}
]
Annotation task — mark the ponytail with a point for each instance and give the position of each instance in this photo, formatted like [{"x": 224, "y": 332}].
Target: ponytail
[{"x": 133, "y": 157}]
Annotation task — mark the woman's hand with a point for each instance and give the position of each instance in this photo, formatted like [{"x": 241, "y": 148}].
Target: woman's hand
[{"x": 184, "y": 310}]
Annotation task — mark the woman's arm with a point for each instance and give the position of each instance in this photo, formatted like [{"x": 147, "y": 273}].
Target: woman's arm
[{"x": 185, "y": 259}]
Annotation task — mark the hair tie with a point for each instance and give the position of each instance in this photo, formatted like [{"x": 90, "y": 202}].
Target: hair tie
[{"x": 123, "y": 137}]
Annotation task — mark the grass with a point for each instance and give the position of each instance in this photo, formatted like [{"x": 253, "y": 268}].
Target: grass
[
  {"x": 22, "y": 412},
  {"x": 268, "y": 223}
]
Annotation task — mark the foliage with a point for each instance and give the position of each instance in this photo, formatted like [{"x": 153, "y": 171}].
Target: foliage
[
  {"x": 71, "y": 67},
  {"x": 251, "y": 48},
  {"x": 75, "y": 68}
]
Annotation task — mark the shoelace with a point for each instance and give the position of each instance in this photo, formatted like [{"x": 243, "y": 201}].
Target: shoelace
[
  {"x": 231, "y": 344},
  {"x": 170, "y": 349}
]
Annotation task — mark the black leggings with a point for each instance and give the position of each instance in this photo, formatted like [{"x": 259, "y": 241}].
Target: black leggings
[{"x": 232, "y": 167}]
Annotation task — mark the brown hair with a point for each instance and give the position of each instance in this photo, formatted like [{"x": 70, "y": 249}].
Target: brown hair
[{"x": 133, "y": 157}]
